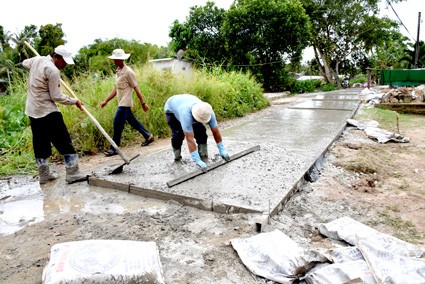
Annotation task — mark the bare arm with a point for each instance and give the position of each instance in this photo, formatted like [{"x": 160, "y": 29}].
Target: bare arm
[
  {"x": 110, "y": 97},
  {"x": 217, "y": 135},
  {"x": 190, "y": 139}
]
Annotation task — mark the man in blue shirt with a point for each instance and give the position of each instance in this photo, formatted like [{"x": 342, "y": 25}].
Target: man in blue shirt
[{"x": 186, "y": 115}]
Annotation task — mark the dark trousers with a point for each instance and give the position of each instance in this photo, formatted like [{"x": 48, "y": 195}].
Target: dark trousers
[
  {"x": 48, "y": 130},
  {"x": 122, "y": 115},
  {"x": 177, "y": 135}
]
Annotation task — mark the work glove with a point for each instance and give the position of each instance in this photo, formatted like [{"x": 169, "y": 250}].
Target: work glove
[
  {"x": 223, "y": 152},
  {"x": 197, "y": 159}
]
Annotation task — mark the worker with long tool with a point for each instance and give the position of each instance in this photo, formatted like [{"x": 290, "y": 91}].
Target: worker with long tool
[
  {"x": 47, "y": 124},
  {"x": 186, "y": 116},
  {"x": 126, "y": 82}
]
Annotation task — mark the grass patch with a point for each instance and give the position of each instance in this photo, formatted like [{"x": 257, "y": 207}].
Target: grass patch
[
  {"x": 404, "y": 230},
  {"x": 387, "y": 119},
  {"x": 393, "y": 208}
]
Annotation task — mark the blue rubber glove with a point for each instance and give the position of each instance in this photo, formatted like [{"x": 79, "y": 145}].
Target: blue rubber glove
[
  {"x": 197, "y": 159},
  {"x": 223, "y": 152}
]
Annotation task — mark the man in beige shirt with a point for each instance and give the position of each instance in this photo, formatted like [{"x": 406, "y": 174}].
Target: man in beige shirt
[
  {"x": 47, "y": 124},
  {"x": 126, "y": 82}
]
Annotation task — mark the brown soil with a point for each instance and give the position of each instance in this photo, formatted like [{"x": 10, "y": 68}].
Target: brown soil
[{"x": 380, "y": 185}]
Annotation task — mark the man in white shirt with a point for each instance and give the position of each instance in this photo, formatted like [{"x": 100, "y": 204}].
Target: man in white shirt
[{"x": 47, "y": 124}]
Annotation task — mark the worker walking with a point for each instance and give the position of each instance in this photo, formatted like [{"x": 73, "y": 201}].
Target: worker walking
[
  {"x": 126, "y": 82},
  {"x": 47, "y": 124},
  {"x": 186, "y": 116}
]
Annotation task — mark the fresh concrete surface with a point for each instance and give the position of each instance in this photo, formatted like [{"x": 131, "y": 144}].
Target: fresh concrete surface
[{"x": 290, "y": 140}]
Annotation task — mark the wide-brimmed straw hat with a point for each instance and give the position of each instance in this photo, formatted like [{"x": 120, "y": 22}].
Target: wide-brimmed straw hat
[
  {"x": 65, "y": 53},
  {"x": 202, "y": 112},
  {"x": 119, "y": 54}
]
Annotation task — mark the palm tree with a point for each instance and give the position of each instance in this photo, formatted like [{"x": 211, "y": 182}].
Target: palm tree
[
  {"x": 6, "y": 69},
  {"x": 29, "y": 34},
  {"x": 409, "y": 55},
  {"x": 4, "y": 39}
]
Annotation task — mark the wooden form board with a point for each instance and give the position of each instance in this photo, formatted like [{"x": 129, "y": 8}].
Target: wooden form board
[{"x": 198, "y": 172}]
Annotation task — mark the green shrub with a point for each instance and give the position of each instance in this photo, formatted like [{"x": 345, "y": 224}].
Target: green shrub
[
  {"x": 329, "y": 87},
  {"x": 358, "y": 79},
  {"x": 15, "y": 134},
  {"x": 306, "y": 86}
]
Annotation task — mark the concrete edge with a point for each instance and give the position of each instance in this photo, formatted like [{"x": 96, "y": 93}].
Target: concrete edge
[
  {"x": 203, "y": 204},
  {"x": 263, "y": 220}
]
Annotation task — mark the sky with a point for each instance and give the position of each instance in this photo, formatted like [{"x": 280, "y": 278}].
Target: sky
[{"x": 83, "y": 21}]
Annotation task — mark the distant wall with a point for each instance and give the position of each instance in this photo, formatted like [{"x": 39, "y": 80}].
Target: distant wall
[{"x": 178, "y": 67}]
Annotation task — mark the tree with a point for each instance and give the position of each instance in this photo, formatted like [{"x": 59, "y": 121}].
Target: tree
[
  {"x": 393, "y": 53},
  {"x": 264, "y": 35},
  {"x": 409, "y": 55},
  {"x": 50, "y": 36},
  {"x": 342, "y": 28},
  {"x": 4, "y": 39},
  {"x": 94, "y": 58},
  {"x": 201, "y": 34},
  {"x": 29, "y": 34}
]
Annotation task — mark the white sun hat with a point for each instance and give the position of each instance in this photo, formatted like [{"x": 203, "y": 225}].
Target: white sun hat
[
  {"x": 119, "y": 54},
  {"x": 202, "y": 112},
  {"x": 65, "y": 53}
]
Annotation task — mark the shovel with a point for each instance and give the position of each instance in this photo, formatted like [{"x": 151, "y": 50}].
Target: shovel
[{"x": 117, "y": 149}]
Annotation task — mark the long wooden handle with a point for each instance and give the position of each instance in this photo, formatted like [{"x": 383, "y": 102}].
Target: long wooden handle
[{"x": 122, "y": 155}]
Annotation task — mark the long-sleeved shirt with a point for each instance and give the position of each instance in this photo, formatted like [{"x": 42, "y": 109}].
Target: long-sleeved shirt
[{"x": 44, "y": 87}]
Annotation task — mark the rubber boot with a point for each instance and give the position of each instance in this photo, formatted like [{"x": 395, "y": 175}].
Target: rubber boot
[
  {"x": 73, "y": 173},
  {"x": 203, "y": 152},
  {"x": 177, "y": 154},
  {"x": 44, "y": 171}
]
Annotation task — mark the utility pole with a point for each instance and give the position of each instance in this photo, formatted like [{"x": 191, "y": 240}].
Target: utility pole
[{"x": 417, "y": 42}]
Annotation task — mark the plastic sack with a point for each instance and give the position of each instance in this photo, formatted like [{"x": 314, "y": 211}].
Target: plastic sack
[{"x": 103, "y": 261}]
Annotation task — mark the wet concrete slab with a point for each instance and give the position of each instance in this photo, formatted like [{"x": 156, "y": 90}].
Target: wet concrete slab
[
  {"x": 327, "y": 104},
  {"x": 290, "y": 141},
  {"x": 22, "y": 205}
]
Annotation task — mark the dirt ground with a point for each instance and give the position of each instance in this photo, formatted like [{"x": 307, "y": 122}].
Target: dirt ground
[{"x": 380, "y": 185}]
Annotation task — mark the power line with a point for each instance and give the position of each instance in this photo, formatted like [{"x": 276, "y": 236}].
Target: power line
[{"x": 401, "y": 22}]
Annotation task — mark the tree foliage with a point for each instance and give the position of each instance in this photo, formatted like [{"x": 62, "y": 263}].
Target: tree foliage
[
  {"x": 94, "y": 58},
  {"x": 29, "y": 34},
  {"x": 258, "y": 35},
  {"x": 341, "y": 28},
  {"x": 392, "y": 53},
  {"x": 50, "y": 36},
  {"x": 4, "y": 39},
  {"x": 201, "y": 34},
  {"x": 410, "y": 53},
  {"x": 265, "y": 34}
]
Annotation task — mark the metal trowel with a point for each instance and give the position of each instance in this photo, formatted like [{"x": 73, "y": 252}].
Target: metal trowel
[{"x": 119, "y": 169}]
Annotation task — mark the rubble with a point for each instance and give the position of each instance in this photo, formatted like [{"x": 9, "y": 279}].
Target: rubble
[{"x": 403, "y": 94}]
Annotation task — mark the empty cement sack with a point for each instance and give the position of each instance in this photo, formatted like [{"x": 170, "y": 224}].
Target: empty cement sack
[
  {"x": 340, "y": 273},
  {"x": 103, "y": 261},
  {"x": 389, "y": 267},
  {"x": 349, "y": 230},
  {"x": 275, "y": 256}
]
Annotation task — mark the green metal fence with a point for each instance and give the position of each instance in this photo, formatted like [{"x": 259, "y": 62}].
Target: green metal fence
[{"x": 402, "y": 77}]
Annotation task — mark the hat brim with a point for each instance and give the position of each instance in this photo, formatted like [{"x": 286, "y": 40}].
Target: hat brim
[
  {"x": 124, "y": 57},
  {"x": 68, "y": 59},
  {"x": 198, "y": 118}
]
